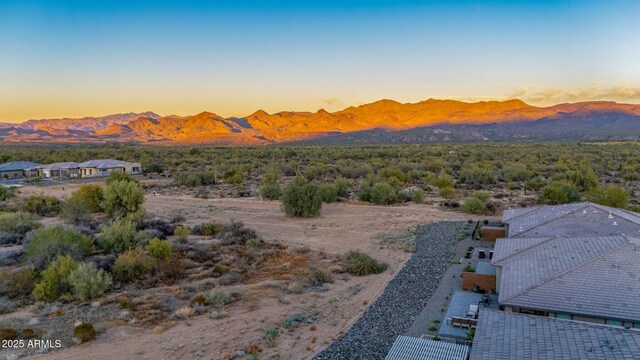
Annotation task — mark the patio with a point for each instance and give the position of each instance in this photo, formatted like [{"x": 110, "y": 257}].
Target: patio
[{"x": 458, "y": 308}]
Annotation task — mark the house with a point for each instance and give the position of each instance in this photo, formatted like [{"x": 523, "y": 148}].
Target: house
[
  {"x": 576, "y": 219},
  {"x": 410, "y": 348},
  {"x": 17, "y": 170},
  {"x": 103, "y": 167},
  {"x": 60, "y": 170},
  {"x": 586, "y": 278},
  {"x": 504, "y": 336}
]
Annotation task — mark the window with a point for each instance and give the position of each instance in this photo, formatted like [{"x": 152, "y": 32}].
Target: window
[
  {"x": 563, "y": 316},
  {"x": 614, "y": 322},
  {"x": 533, "y": 312}
]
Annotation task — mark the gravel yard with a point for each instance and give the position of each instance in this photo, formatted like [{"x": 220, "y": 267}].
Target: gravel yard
[{"x": 395, "y": 310}]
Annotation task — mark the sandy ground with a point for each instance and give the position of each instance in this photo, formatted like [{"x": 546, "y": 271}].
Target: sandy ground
[{"x": 341, "y": 227}]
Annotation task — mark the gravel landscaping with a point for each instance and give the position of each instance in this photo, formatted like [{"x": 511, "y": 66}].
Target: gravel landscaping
[{"x": 405, "y": 296}]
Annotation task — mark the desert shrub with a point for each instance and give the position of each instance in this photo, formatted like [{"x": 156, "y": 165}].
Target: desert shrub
[
  {"x": 271, "y": 336},
  {"x": 207, "y": 229},
  {"x": 234, "y": 176},
  {"x": 364, "y": 193},
  {"x": 159, "y": 249},
  {"x": 359, "y": 264},
  {"x": 123, "y": 197},
  {"x": 74, "y": 210},
  {"x": 231, "y": 278},
  {"x": 193, "y": 179},
  {"x": 584, "y": 178},
  {"x": 91, "y": 195},
  {"x": 8, "y": 334},
  {"x": 441, "y": 181},
  {"x": 14, "y": 226},
  {"x": 131, "y": 265},
  {"x": 116, "y": 176},
  {"x": 417, "y": 196},
  {"x": 317, "y": 276},
  {"x": 154, "y": 168},
  {"x": 302, "y": 199},
  {"x": 85, "y": 332},
  {"x": 469, "y": 268},
  {"x": 181, "y": 233},
  {"x": 17, "y": 284},
  {"x": 342, "y": 187},
  {"x": 6, "y": 305},
  {"x": 42, "y": 205},
  {"x": 473, "y": 205},
  {"x": 117, "y": 236},
  {"x": 516, "y": 172},
  {"x": 447, "y": 192},
  {"x": 383, "y": 194},
  {"x": 270, "y": 191},
  {"x": 46, "y": 244},
  {"x": 236, "y": 233},
  {"x": 475, "y": 174},
  {"x": 482, "y": 195},
  {"x": 158, "y": 226},
  {"x": 254, "y": 243},
  {"x": 54, "y": 282},
  {"x": 329, "y": 193},
  {"x": 559, "y": 192},
  {"x": 609, "y": 195},
  {"x": 218, "y": 298},
  {"x": 88, "y": 282},
  {"x": 536, "y": 183},
  {"x": 5, "y": 193}
]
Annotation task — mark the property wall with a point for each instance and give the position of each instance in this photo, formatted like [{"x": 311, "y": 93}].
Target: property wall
[
  {"x": 483, "y": 281},
  {"x": 491, "y": 233}
]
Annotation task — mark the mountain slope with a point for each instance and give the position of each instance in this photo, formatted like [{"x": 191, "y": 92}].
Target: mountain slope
[{"x": 381, "y": 121}]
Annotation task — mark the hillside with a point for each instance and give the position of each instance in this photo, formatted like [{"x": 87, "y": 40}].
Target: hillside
[{"x": 378, "y": 122}]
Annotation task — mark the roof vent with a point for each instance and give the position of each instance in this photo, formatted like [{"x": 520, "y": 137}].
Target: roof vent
[
  {"x": 610, "y": 216},
  {"x": 615, "y": 223}
]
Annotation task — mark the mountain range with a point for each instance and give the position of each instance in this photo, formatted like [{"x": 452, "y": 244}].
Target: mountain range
[{"x": 384, "y": 121}]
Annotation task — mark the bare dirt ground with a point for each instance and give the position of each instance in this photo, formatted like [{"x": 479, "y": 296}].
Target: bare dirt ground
[{"x": 340, "y": 228}]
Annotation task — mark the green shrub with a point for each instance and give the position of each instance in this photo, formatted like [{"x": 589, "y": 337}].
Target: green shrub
[
  {"x": 359, "y": 264},
  {"x": 193, "y": 179},
  {"x": 207, "y": 229},
  {"x": 584, "y": 178},
  {"x": 131, "y": 265},
  {"x": 159, "y": 249},
  {"x": 218, "y": 298},
  {"x": 116, "y": 176},
  {"x": 536, "y": 183},
  {"x": 17, "y": 284},
  {"x": 88, "y": 282},
  {"x": 447, "y": 192},
  {"x": 383, "y": 194},
  {"x": 318, "y": 276},
  {"x": 118, "y": 236},
  {"x": 609, "y": 195},
  {"x": 54, "y": 282},
  {"x": 482, "y": 195},
  {"x": 329, "y": 193},
  {"x": 123, "y": 197},
  {"x": 469, "y": 268},
  {"x": 5, "y": 193},
  {"x": 559, "y": 192},
  {"x": 234, "y": 176},
  {"x": 254, "y": 243},
  {"x": 302, "y": 199},
  {"x": 42, "y": 205},
  {"x": 74, "y": 210},
  {"x": 417, "y": 196},
  {"x": 364, "y": 194},
  {"x": 473, "y": 205},
  {"x": 342, "y": 187},
  {"x": 18, "y": 222},
  {"x": 181, "y": 233},
  {"x": 270, "y": 191},
  {"x": 46, "y": 244},
  {"x": 91, "y": 195},
  {"x": 85, "y": 332}
]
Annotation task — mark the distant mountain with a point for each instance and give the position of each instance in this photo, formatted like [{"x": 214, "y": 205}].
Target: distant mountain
[{"x": 384, "y": 121}]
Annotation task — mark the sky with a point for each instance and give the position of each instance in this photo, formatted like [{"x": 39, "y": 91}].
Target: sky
[{"x": 92, "y": 58}]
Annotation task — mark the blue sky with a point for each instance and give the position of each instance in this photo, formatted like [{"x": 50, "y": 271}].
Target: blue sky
[{"x": 75, "y": 58}]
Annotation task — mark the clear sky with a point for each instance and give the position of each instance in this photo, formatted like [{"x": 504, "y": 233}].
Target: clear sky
[{"x": 77, "y": 58}]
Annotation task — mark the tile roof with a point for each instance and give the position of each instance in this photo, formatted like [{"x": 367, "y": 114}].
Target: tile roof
[
  {"x": 60, "y": 165},
  {"x": 577, "y": 218},
  {"x": 591, "y": 276},
  {"x": 104, "y": 164},
  {"x": 410, "y": 348},
  {"x": 505, "y": 248},
  {"x": 18, "y": 165},
  {"x": 504, "y": 335}
]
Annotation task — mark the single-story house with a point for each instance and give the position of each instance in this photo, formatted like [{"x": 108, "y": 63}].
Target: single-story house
[
  {"x": 592, "y": 279},
  {"x": 59, "y": 170},
  {"x": 576, "y": 219},
  {"x": 503, "y": 335},
  {"x": 103, "y": 167},
  {"x": 18, "y": 170}
]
